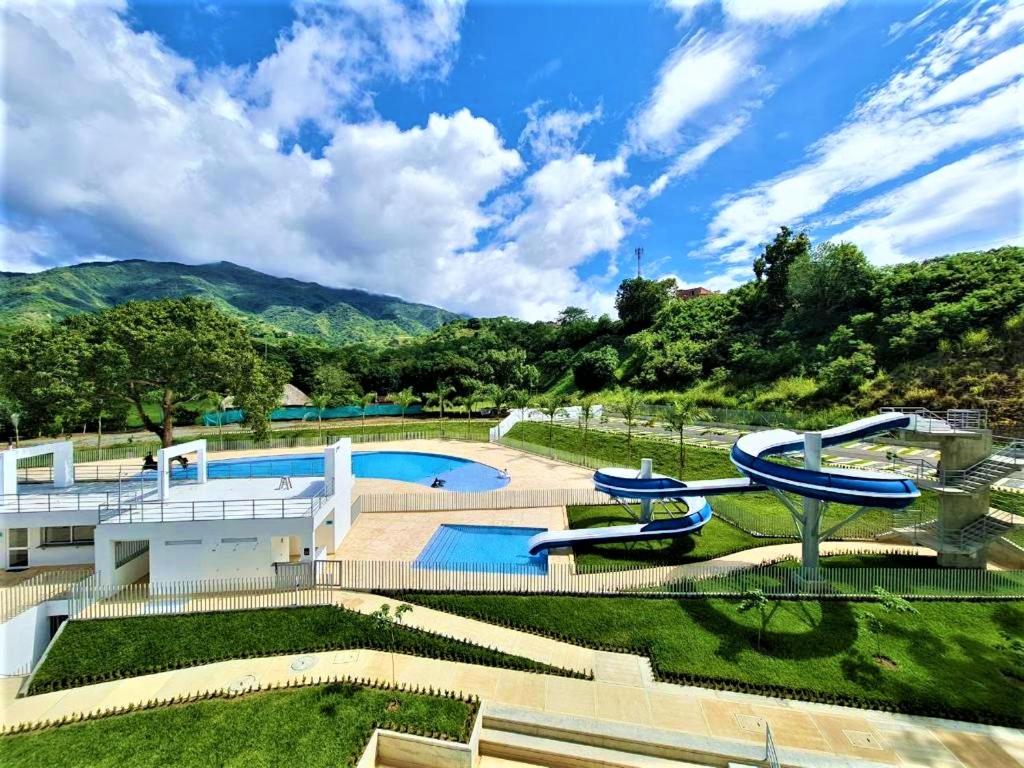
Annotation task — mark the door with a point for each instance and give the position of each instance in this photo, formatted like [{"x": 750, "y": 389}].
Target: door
[{"x": 17, "y": 548}]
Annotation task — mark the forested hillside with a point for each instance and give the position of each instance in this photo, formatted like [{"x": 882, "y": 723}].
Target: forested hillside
[
  {"x": 815, "y": 327},
  {"x": 334, "y": 315}
]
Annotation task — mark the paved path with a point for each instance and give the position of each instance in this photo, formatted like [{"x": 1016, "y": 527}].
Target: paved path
[{"x": 623, "y": 690}]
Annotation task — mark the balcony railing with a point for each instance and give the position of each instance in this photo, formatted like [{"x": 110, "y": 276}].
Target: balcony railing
[{"x": 189, "y": 511}]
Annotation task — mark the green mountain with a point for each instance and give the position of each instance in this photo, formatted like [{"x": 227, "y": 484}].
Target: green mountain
[{"x": 333, "y": 314}]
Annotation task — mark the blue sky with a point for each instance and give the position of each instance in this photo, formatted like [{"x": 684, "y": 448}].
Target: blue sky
[{"x": 507, "y": 157}]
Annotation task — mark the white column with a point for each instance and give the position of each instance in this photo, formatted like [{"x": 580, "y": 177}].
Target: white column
[
  {"x": 812, "y": 507},
  {"x": 338, "y": 477},
  {"x": 64, "y": 464},
  {"x": 646, "y": 505},
  {"x": 8, "y": 473}
]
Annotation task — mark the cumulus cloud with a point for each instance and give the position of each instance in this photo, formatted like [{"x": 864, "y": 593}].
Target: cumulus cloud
[
  {"x": 555, "y": 133},
  {"x": 770, "y": 12},
  {"x": 116, "y": 146},
  {"x": 930, "y": 108}
]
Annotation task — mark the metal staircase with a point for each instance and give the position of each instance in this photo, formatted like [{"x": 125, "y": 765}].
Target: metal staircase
[{"x": 1007, "y": 459}]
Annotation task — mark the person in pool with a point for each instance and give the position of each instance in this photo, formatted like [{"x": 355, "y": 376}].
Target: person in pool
[
  {"x": 503, "y": 473},
  {"x": 438, "y": 483}
]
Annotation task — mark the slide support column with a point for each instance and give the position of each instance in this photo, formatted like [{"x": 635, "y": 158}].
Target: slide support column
[
  {"x": 646, "y": 505},
  {"x": 812, "y": 507}
]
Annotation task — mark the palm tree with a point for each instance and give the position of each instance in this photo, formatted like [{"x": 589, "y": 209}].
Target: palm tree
[
  {"x": 502, "y": 397},
  {"x": 681, "y": 415},
  {"x": 520, "y": 400},
  {"x": 364, "y": 402},
  {"x": 629, "y": 403},
  {"x": 475, "y": 392},
  {"x": 15, "y": 418},
  {"x": 403, "y": 400},
  {"x": 586, "y": 405},
  {"x": 320, "y": 401},
  {"x": 440, "y": 395},
  {"x": 551, "y": 405}
]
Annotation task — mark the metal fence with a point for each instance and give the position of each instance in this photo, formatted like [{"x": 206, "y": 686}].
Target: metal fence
[
  {"x": 782, "y": 580},
  {"x": 144, "y": 511},
  {"x": 126, "y": 551},
  {"x": 91, "y": 600},
  {"x": 445, "y": 501},
  {"x": 42, "y": 587}
]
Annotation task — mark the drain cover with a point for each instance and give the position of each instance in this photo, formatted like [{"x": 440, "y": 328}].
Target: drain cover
[
  {"x": 302, "y": 663},
  {"x": 243, "y": 684}
]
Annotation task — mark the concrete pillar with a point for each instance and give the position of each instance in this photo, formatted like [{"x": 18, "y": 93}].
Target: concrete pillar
[
  {"x": 958, "y": 508},
  {"x": 8, "y": 473},
  {"x": 646, "y": 505},
  {"x": 64, "y": 464},
  {"x": 811, "y": 507},
  {"x": 338, "y": 477}
]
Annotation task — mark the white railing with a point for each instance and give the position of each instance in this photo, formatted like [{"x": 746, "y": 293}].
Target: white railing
[
  {"x": 91, "y": 600},
  {"x": 568, "y": 413},
  {"x": 445, "y": 501},
  {"x": 694, "y": 580},
  {"x": 38, "y": 589},
  {"x": 186, "y": 511}
]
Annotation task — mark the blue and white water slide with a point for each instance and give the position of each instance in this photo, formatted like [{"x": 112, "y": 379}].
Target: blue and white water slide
[{"x": 750, "y": 454}]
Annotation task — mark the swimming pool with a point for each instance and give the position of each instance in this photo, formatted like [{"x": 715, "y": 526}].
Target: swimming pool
[
  {"x": 421, "y": 468},
  {"x": 487, "y": 548}
]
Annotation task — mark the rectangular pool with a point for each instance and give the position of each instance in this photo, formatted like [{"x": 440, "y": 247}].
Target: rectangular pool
[{"x": 485, "y": 548}]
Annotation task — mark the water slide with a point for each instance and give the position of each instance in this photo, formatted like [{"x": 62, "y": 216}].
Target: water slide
[{"x": 751, "y": 455}]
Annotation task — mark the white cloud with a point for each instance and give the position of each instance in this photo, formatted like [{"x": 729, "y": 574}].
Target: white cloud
[
  {"x": 778, "y": 12},
  {"x": 970, "y": 203},
  {"x": 890, "y": 134},
  {"x": 116, "y": 145},
  {"x": 555, "y": 133},
  {"x": 701, "y": 72},
  {"x": 697, "y": 155}
]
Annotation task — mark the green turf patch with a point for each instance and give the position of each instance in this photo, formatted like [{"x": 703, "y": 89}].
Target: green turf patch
[
  {"x": 320, "y": 727},
  {"x": 952, "y": 659},
  {"x": 715, "y": 539},
  {"x": 105, "y": 649}
]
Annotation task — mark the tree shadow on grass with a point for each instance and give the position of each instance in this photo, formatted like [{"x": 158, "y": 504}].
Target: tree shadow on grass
[{"x": 834, "y": 633}]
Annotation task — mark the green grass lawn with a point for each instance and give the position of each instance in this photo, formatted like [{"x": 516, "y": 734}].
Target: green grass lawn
[
  {"x": 100, "y": 649},
  {"x": 717, "y": 538},
  {"x": 947, "y": 660},
  {"x": 318, "y": 727}
]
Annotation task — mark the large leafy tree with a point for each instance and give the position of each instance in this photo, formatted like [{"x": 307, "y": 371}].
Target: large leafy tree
[
  {"x": 638, "y": 301},
  {"x": 772, "y": 267},
  {"x": 174, "y": 352}
]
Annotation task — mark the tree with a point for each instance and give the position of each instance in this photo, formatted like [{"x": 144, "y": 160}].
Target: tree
[
  {"x": 890, "y": 604},
  {"x": 629, "y": 402},
  {"x": 336, "y": 383},
  {"x": 520, "y": 400},
  {"x": 387, "y": 622},
  {"x": 403, "y": 399},
  {"x": 595, "y": 369},
  {"x": 755, "y": 600},
  {"x": 442, "y": 391},
  {"x": 682, "y": 414},
  {"x": 364, "y": 402},
  {"x": 502, "y": 397},
  {"x": 828, "y": 285},
  {"x": 772, "y": 266},
  {"x": 638, "y": 301},
  {"x": 586, "y": 405},
  {"x": 475, "y": 392},
  {"x": 551, "y": 405},
  {"x": 320, "y": 401}
]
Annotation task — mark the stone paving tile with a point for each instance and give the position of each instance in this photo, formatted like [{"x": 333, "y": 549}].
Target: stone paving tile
[
  {"x": 917, "y": 747},
  {"x": 677, "y": 712},
  {"x": 855, "y": 737},
  {"x": 976, "y": 750},
  {"x": 521, "y": 691},
  {"x": 618, "y": 668},
  {"x": 793, "y": 729},
  {"x": 570, "y": 697},
  {"x": 733, "y": 720},
  {"x": 623, "y": 703}
]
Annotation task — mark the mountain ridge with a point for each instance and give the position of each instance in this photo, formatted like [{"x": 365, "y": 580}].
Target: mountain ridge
[{"x": 336, "y": 315}]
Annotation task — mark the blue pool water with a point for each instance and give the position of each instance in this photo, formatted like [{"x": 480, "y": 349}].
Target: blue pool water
[
  {"x": 421, "y": 468},
  {"x": 488, "y": 548}
]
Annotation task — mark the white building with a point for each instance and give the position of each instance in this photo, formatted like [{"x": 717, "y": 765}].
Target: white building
[{"x": 149, "y": 525}]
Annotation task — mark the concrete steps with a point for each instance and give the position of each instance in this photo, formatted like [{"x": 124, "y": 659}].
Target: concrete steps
[{"x": 554, "y": 753}]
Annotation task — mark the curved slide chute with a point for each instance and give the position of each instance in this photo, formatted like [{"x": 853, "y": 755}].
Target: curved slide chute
[
  {"x": 751, "y": 455},
  {"x": 848, "y": 486}
]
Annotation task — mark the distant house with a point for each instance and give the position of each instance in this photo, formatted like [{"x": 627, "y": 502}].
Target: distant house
[
  {"x": 290, "y": 396},
  {"x": 693, "y": 293}
]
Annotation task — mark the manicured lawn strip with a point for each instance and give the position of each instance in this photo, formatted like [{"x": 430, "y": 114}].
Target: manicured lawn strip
[
  {"x": 716, "y": 539},
  {"x": 947, "y": 660},
  {"x": 324, "y": 726},
  {"x": 104, "y": 649},
  {"x": 1008, "y": 501}
]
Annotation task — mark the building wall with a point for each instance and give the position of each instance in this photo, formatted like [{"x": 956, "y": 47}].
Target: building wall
[
  {"x": 73, "y": 554},
  {"x": 24, "y": 637}
]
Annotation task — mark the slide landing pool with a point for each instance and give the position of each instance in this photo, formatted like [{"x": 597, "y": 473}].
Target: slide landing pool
[{"x": 458, "y": 474}]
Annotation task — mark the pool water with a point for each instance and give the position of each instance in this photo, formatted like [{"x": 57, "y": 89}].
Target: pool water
[
  {"x": 421, "y": 468},
  {"x": 487, "y": 548}
]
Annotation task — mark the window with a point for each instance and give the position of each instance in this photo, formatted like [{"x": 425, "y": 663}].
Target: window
[{"x": 66, "y": 534}]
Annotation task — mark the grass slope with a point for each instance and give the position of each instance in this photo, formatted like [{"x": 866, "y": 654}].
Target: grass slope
[
  {"x": 716, "y": 539},
  {"x": 951, "y": 659},
  {"x": 327, "y": 725},
  {"x": 337, "y": 315},
  {"x": 88, "y": 651}
]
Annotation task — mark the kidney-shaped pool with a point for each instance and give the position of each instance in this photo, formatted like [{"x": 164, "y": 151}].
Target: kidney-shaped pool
[{"x": 453, "y": 473}]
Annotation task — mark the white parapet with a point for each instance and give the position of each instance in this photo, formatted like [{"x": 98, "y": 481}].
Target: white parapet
[
  {"x": 163, "y": 464},
  {"x": 63, "y": 464},
  {"x": 338, "y": 482},
  {"x": 516, "y": 415}
]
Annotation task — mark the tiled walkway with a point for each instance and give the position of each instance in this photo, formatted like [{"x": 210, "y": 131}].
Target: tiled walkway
[{"x": 623, "y": 690}]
